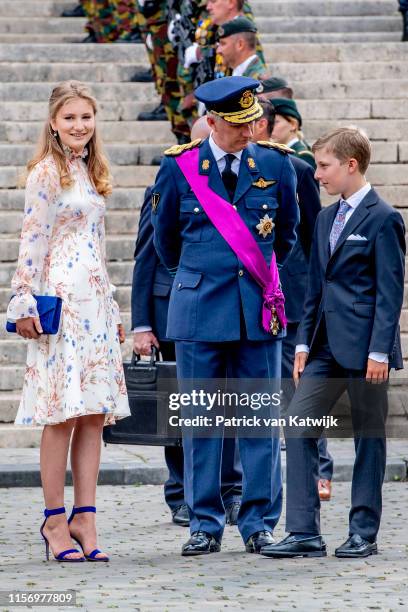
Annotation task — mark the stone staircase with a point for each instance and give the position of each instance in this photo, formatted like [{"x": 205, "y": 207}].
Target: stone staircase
[{"x": 342, "y": 58}]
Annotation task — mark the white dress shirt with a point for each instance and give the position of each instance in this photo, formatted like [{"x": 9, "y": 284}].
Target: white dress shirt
[
  {"x": 353, "y": 201},
  {"x": 219, "y": 156},
  {"x": 240, "y": 70}
]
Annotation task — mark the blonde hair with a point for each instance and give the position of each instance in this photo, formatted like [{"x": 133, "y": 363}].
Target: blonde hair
[
  {"x": 346, "y": 143},
  {"x": 96, "y": 161}
]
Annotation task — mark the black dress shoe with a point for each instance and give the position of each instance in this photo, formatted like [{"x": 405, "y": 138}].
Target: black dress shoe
[
  {"x": 157, "y": 114},
  {"x": 231, "y": 513},
  {"x": 78, "y": 11},
  {"x": 292, "y": 546},
  {"x": 258, "y": 540},
  {"x": 131, "y": 37},
  {"x": 91, "y": 38},
  {"x": 142, "y": 76},
  {"x": 356, "y": 546},
  {"x": 180, "y": 516},
  {"x": 200, "y": 543}
]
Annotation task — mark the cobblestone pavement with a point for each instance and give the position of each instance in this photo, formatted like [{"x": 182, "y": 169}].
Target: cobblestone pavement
[{"x": 146, "y": 571}]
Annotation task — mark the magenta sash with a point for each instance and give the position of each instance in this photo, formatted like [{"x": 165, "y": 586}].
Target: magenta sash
[{"x": 234, "y": 231}]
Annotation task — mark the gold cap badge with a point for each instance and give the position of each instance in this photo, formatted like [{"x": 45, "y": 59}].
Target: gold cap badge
[{"x": 247, "y": 99}]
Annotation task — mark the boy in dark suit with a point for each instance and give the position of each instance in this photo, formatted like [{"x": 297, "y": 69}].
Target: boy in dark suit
[{"x": 348, "y": 333}]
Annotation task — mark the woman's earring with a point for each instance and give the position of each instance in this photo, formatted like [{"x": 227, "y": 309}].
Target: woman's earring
[{"x": 55, "y": 134}]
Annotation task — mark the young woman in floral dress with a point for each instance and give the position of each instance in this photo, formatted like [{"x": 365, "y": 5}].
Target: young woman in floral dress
[{"x": 74, "y": 382}]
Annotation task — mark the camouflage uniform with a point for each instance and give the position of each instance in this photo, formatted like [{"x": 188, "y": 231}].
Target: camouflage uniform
[
  {"x": 256, "y": 69},
  {"x": 206, "y": 37},
  {"x": 110, "y": 19},
  {"x": 164, "y": 63}
]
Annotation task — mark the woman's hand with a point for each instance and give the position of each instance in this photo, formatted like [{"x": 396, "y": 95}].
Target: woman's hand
[
  {"x": 121, "y": 333},
  {"x": 29, "y": 328}
]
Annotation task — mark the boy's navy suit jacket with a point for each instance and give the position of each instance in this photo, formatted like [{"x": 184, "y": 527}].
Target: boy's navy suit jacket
[{"x": 360, "y": 286}]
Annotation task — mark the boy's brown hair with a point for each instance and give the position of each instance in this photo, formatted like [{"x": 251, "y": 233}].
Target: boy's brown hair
[{"x": 346, "y": 143}]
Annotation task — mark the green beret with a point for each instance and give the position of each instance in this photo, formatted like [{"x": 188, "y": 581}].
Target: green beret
[
  {"x": 236, "y": 26},
  {"x": 272, "y": 84},
  {"x": 287, "y": 107}
]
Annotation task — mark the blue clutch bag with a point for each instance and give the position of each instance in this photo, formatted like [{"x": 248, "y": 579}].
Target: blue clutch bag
[{"x": 49, "y": 309}]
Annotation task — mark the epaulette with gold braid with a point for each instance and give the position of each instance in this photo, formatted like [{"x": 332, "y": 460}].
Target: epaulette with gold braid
[
  {"x": 176, "y": 150},
  {"x": 275, "y": 145}
]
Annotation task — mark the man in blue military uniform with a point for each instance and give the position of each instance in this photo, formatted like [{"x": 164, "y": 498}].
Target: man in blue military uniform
[
  {"x": 217, "y": 309},
  {"x": 150, "y": 301}
]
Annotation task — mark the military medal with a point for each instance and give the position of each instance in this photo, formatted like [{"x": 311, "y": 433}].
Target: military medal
[
  {"x": 265, "y": 226},
  {"x": 274, "y": 322},
  {"x": 263, "y": 183}
]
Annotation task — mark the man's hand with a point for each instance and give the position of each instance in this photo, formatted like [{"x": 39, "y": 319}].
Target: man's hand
[
  {"x": 143, "y": 341},
  {"x": 29, "y": 328},
  {"x": 376, "y": 372},
  {"x": 299, "y": 366},
  {"x": 121, "y": 333}
]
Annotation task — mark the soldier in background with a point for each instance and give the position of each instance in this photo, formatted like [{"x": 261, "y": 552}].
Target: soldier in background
[
  {"x": 287, "y": 129},
  {"x": 237, "y": 46},
  {"x": 274, "y": 87},
  {"x": 111, "y": 21},
  {"x": 163, "y": 59}
]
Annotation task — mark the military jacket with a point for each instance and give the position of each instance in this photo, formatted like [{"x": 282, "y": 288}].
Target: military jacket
[
  {"x": 303, "y": 152},
  {"x": 211, "y": 287}
]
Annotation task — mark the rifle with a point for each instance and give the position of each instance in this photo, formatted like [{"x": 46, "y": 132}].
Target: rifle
[{"x": 181, "y": 14}]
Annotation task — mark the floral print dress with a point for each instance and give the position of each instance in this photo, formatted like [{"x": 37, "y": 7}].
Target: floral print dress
[{"x": 79, "y": 370}]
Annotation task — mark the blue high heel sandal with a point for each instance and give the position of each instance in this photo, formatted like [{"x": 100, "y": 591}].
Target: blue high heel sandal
[
  {"x": 92, "y": 556},
  {"x": 62, "y": 555}
]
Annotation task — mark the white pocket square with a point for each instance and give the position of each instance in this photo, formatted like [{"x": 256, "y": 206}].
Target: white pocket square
[{"x": 356, "y": 237}]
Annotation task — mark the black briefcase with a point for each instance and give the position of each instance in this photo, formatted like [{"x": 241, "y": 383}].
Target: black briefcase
[{"x": 148, "y": 385}]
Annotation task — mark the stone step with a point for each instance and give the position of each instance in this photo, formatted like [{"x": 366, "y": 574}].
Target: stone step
[
  {"x": 360, "y": 108},
  {"x": 120, "y": 272},
  {"x": 5, "y": 336},
  {"x": 142, "y": 176},
  {"x": 135, "y": 54},
  {"x": 14, "y": 351},
  {"x": 48, "y": 8},
  {"x": 123, "y": 176},
  {"x": 266, "y": 24},
  {"x": 317, "y": 8},
  {"x": 122, "y": 199},
  {"x": 118, "y": 154},
  {"x": 276, "y": 37},
  {"x": 122, "y": 111},
  {"x": 122, "y": 296},
  {"x": 120, "y": 72},
  {"x": 119, "y": 246},
  {"x": 397, "y": 195},
  {"x": 128, "y": 154},
  {"x": 124, "y": 92},
  {"x": 158, "y": 132},
  {"x": 8, "y": 406},
  {"x": 138, "y": 132}
]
